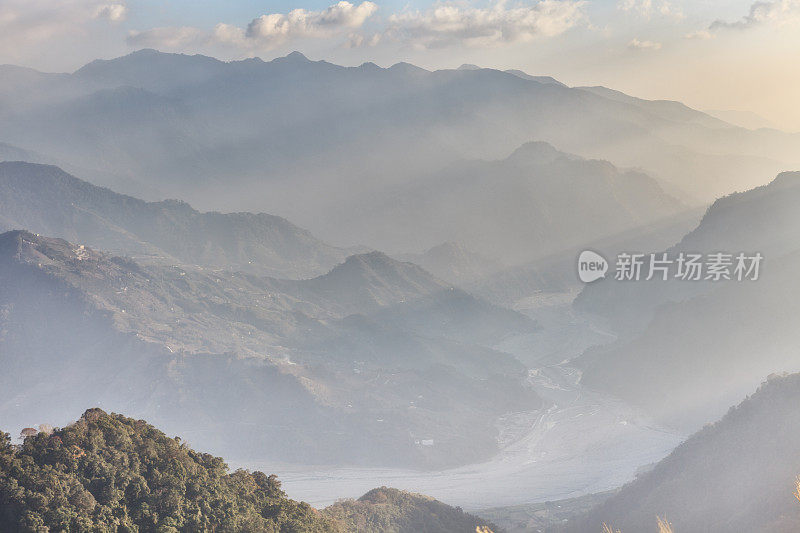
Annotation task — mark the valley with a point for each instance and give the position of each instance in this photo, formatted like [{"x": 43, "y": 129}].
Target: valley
[
  {"x": 357, "y": 279},
  {"x": 582, "y": 443}
]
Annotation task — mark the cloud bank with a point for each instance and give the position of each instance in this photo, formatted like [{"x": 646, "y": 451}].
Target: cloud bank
[
  {"x": 29, "y": 21},
  {"x": 443, "y": 25},
  {"x": 47, "y": 28},
  {"x": 452, "y": 24},
  {"x": 264, "y": 32},
  {"x": 777, "y": 11}
]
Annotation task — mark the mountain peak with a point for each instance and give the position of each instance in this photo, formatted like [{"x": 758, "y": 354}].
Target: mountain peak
[
  {"x": 377, "y": 265},
  {"x": 786, "y": 179},
  {"x": 453, "y": 262},
  {"x": 144, "y": 52},
  {"x": 406, "y": 68},
  {"x": 45, "y": 199},
  {"x": 545, "y": 80},
  {"x": 146, "y": 55},
  {"x": 779, "y": 191},
  {"x": 372, "y": 259},
  {"x": 26, "y": 247},
  {"x": 535, "y": 152},
  {"x": 15, "y": 237},
  {"x": 367, "y": 282},
  {"x": 468, "y": 66},
  {"x": 297, "y": 57}
]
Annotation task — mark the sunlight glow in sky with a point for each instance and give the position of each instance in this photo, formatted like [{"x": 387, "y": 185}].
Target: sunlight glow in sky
[{"x": 738, "y": 55}]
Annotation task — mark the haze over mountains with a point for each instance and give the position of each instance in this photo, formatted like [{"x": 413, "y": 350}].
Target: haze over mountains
[
  {"x": 538, "y": 183},
  {"x": 453, "y": 262},
  {"x": 345, "y": 375},
  {"x": 307, "y": 140},
  {"x": 376, "y": 276},
  {"x": 738, "y": 474},
  {"x": 698, "y": 346},
  {"x": 533, "y": 203},
  {"x": 47, "y": 200}
]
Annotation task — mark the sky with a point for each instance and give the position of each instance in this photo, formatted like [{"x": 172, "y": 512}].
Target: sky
[{"x": 723, "y": 55}]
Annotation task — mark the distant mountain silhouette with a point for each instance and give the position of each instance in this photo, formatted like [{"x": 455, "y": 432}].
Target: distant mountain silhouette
[
  {"x": 697, "y": 346},
  {"x": 744, "y": 119},
  {"x": 533, "y": 203},
  {"x": 453, "y": 262},
  {"x": 258, "y": 136},
  {"x": 539, "y": 79},
  {"x": 47, "y": 200}
]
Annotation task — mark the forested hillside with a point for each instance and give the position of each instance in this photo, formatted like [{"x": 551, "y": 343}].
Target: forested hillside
[
  {"x": 387, "y": 510},
  {"x": 112, "y": 473}
]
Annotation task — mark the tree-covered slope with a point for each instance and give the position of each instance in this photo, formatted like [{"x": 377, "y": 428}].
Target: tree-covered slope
[
  {"x": 387, "y": 510},
  {"x": 112, "y": 473}
]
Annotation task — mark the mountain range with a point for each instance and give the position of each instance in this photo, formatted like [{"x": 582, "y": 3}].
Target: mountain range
[
  {"x": 349, "y": 363},
  {"x": 377, "y": 274},
  {"x": 738, "y": 474},
  {"x": 673, "y": 358},
  {"x": 254, "y": 135},
  {"x": 47, "y": 200},
  {"x": 533, "y": 203}
]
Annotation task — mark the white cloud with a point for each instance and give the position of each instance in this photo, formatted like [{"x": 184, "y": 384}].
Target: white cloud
[
  {"x": 442, "y": 25},
  {"x": 636, "y": 44},
  {"x": 277, "y": 28},
  {"x": 33, "y": 28},
  {"x": 777, "y": 11},
  {"x": 114, "y": 12},
  {"x": 449, "y": 24},
  {"x": 230, "y": 34},
  {"x": 264, "y": 32},
  {"x": 650, "y": 8},
  {"x": 39, "y": 20}
]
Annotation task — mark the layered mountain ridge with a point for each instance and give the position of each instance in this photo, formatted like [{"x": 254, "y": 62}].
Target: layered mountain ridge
[
  {"x": 212, "y": 347},
  {"x": 252, "y": 135},
  {"x": 47, "y": 200},
  {"x": 673, "y": 360},
  {"x": 738, "y": 474}
]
